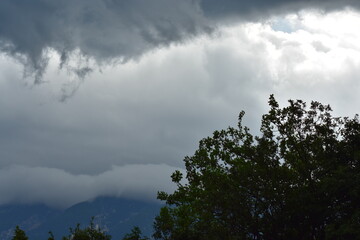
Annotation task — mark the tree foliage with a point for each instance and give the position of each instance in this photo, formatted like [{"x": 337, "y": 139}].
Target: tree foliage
[
  {"x": 299, "y": 179},
  {"x": 19, "y": 234},
  {"x": 51, "y": 236},
  {"x": 135, "y": 235},
  {"x": 91, "y": 232}
]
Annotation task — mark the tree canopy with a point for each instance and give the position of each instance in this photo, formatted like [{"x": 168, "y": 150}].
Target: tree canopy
[
  {"x": 135, "y": 235},
  {"x": 91, "y": 232},
  {"x": 19, "y": 234},
  {"x": 299, "y": 179}
]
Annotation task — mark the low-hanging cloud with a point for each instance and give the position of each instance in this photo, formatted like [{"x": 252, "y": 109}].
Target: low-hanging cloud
[
  {"x": 118, "y": 30},
  {"x": 58, "y": 188}
]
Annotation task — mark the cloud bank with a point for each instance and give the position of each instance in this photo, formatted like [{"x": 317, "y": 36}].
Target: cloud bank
[{"x": 58, "y": 188}]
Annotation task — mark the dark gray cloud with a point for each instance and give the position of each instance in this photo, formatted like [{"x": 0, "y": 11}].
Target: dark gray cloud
[
  {"x": 119, "y": 30},
  {"x": 102, "y": 30},
  {"x": 261, "y": 9}
]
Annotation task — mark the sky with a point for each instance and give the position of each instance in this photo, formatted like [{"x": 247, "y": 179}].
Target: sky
[{"x": 106, "y": 97}]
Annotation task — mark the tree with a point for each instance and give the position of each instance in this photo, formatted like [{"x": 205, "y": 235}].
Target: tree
[
  {"x": 19, "y": 234},
  {"x": 92, "y": 232},
  {"x": 300, "y": 179},
  {"x": 51, "y": 236},
  {"x": 135, "y": 235}
]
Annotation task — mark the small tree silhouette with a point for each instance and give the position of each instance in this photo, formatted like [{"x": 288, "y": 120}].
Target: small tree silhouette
[{"x": 19, "y": 234}]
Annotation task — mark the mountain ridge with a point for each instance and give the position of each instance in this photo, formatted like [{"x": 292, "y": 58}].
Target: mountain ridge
[{"x": 117, "y": 216}]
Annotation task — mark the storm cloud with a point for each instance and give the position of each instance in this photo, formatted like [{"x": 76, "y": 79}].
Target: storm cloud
[
  {"x": 118, "y": 30},
  {"x": 102, "y": 30},
  {"x": 262, "y": 9}
]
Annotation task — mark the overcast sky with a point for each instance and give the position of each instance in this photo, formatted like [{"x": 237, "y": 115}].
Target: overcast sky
[{"x": 106, "y": 97}]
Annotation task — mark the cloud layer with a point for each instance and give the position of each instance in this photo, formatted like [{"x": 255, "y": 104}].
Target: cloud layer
[
  {"x": 118, "y": 30},
  {"x": 59, "y": 188},
  {"x": 102, "y": 30},
  {"x": 262, "y": 9},
  {"x": 150, "y": 113}
]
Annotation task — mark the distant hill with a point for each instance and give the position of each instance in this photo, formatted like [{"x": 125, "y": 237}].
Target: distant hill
[{"x": 116, "y": 215}]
